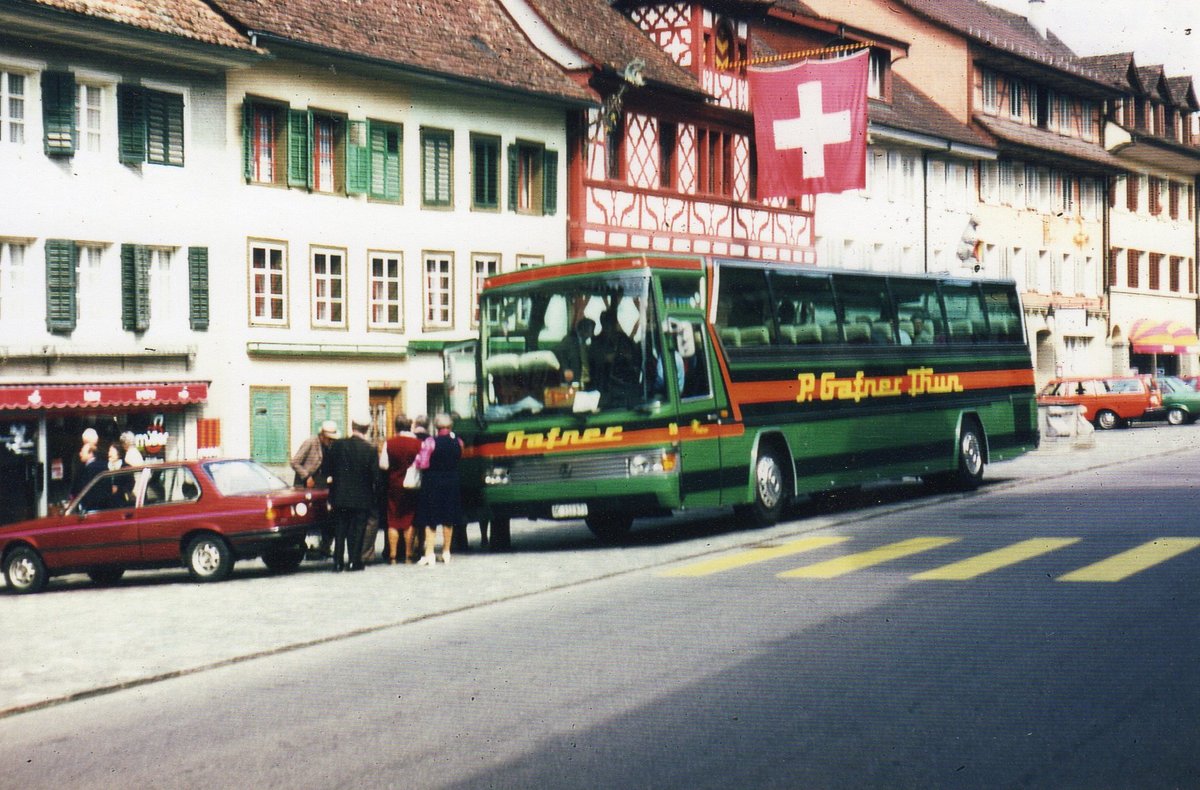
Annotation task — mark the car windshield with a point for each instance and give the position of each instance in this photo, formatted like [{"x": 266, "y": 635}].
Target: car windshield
[
  {"x": 243, "y": 477},
  {"x": 1172, "y": 384},
  {"x": 579, "y": 345}
]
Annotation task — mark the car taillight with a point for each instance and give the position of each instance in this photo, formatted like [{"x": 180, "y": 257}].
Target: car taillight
[{"x": 270, "y": 514}]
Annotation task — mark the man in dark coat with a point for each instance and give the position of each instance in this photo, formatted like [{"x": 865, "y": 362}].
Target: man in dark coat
[{"x": 353, "y": 466}]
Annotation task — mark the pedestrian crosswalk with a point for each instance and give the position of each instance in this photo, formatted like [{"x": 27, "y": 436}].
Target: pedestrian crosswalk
[{"x": 1114, "y": 568}]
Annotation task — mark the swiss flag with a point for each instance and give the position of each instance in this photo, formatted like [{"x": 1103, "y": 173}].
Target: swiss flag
[{"x": 810, "y": 126}]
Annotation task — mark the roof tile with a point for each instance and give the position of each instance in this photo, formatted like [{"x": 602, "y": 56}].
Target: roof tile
[{"x": 191, "y": 19}]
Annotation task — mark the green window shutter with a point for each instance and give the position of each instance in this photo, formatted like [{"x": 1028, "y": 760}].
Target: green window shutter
[
  {"x": 164, "y": 128},
  {"x": 61, "y": 257},
  {"x": 512, "y": 178},
  {"x": 247, "y": 140},
  {"x": 437, "y": 152},
  {"x": 550, "y": 182},
  {"x": 269, "y": 426},
  {"x": 198, "y": 287},
  {"x": 328, "y": 405},
  {"x": 358, "y": 158},
  {"x": 300, "y": 149},
  {"x": 135, "y": 287},
  {"x": 131, "y": 124},
  {"x": 58, "y": 113},
  {"x": 486, "y": 164},
  {"x": 385, "y": 161}
]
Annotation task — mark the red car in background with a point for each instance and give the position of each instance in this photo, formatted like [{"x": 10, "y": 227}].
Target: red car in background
[
  {"x": 1107, "y": 401},
  {"x": 201, "y": 515}
]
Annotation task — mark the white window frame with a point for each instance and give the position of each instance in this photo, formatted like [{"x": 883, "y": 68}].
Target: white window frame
[
  {"x": 328, "y": 302},
  {"x": 91, "y": 116},
  {"x": 14, "y": 127},
  {"x": 525, "y": 261},
  {"x": 990, "y": 93},
  {"x": 380, "y": 298},
  {"x": 91, "y": 308},
  {"x": 483, "y": 265},
  {"x": 324, "y": 154},
  {"x": 437, "y": 273},
  {"x": 166, "y": 303},
  {"x": 268, "y": 295}
]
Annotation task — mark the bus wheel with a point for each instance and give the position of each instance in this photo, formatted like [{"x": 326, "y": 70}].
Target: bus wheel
[
  {"x": 500, "y": 534},
  {"x": 970, "y": 457},
  {"x": 610, "y": 527},
  {"x": 769, "y": 494}
]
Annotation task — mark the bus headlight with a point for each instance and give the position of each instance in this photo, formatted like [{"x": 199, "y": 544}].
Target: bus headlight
[
  {"x": 654, "y": 463},
  {"x": 496, "y": 476}
]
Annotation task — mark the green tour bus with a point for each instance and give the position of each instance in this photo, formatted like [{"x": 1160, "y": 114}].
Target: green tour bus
[{"x": 613, "y": 388}]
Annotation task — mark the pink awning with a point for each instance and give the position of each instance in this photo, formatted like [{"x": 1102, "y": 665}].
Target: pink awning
[{"x": 101, "y": 396}]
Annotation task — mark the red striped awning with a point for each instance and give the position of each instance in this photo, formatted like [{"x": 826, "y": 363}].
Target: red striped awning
[
  {"x": 1148, "y": 336},
  {"x": 101, "y": 396}
]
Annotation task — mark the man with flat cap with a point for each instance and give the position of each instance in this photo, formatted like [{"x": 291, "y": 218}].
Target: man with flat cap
[{"x": 353, "y": 466}]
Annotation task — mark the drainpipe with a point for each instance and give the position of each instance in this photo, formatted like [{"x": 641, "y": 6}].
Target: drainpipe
[{"x": 925, "y": 208}]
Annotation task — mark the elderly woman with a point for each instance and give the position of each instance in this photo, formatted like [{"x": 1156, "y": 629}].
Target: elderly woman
[
  {"x": 440, "y": 499},
  {"x": 400, "y": 451}
]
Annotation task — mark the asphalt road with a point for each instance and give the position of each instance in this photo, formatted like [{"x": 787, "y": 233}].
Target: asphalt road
[{"x": 1035, "y": 635}]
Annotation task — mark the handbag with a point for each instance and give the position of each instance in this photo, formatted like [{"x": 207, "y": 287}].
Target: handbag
[{"x": 412, "y": 477}]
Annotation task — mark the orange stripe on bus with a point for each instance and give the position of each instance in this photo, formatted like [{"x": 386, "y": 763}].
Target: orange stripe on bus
[{"x": 533, "y": 443}]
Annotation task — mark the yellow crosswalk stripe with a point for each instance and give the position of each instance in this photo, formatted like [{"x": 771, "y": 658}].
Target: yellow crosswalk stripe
[
  {"x": 994, "y": 560},
  {"x": 752, "y": 556},
  {"x": 865, "y": 559},
  {"x": 1127, "y": 563}
]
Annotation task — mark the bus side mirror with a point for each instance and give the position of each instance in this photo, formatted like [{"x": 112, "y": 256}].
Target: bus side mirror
[{"x": 685, "y": 339}]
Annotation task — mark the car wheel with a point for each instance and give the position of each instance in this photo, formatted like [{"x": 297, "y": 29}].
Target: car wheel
[
  {"x": 769, "y": 494},
  {"x": 610, "y": 527},
  {"x": 284, "y": 559},
  {"x": 106, "y": 575},
  {"x": 1176, "y": 416},
  {"x": 208, "y": 558},
  {"x": 1107, "y": 420},
  {"x": 24, "y": 570}
]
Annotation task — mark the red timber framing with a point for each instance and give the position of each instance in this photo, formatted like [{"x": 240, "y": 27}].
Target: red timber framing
[{"x": 676, "y": 174}]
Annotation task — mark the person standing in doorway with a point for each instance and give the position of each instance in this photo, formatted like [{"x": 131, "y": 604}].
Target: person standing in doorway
[
  {"x": 353, "y": 465},
  {"x": 440, "y": 500},
  {"x": 400, "y": 452}
]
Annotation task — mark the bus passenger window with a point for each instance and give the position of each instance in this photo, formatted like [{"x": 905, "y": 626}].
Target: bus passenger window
[
  {"x": 964, "y": 312},
  {"x": 742, "y": 305},
  {"x": 805, "y": 312}
]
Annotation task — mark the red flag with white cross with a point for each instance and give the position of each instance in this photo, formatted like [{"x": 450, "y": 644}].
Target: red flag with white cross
[{"x": 810, "y": 126}]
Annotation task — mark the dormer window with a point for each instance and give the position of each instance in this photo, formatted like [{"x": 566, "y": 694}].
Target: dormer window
[{"x": 877, "y": 74}]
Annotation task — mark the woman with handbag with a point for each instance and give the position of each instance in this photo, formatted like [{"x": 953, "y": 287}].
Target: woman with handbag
[
  {"x": 440, "y": 500},
  {"x": 399, "y": 453}
]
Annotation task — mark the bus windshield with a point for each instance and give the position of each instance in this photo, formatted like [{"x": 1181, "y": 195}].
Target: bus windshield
[{"x": 578, "y": 345}]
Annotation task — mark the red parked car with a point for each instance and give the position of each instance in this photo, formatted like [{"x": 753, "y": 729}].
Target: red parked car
[{"x": 202, "y": 515}]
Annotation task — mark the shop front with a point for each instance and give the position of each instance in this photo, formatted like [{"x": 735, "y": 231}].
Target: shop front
[
  {"x": 42, "y": 425},
  {"x": 1158, "y": 347}
]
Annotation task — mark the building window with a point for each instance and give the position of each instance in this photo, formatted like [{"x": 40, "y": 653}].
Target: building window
[
  {"x": 526, "y": 261},
  {"x": 136, "y": 261},
  {"x": 1114, "y": 265},
  {"x": 437, "y": 155},
  {"x": 1173, "y": 275},
  {"x": 1066, "y": 194},
  {"x": 485, "y": 172},
  {"x": 268, "y": 284},
  {"x": 439, "y": 290},
  {"x": 1087, "y": 124},
  {"x": 532, "y": 179},
  {"x": 198, "y": 287},
  {"x": 150, "y": 126},
  {"x": 1131, "y": 192},
  {"x": 264, "y": 143},
  {"x": 667, "y": 145},
  {"x": 386, "y": 307},
  {"x": 1016, "y": 100},
  {"x": 614, "y": 149},
  {"x": 482, "y": 267},
  {"x": 12, "y": 281},
  {"x": 93, "y": 312},
  {"x": 328, "y": 288},
  {"x": 12, "y": 107},
  {"x": 1155, "y": 195},
  {"x": 1154, "y": 280},
  {"x": 877, "y": 69},
  {"x": 89, "y": 106},
  {"x": 1173, "y": 200},
  {"x": 166, "y": 296},
  {"x": 326, "y": 145},
  {"x": 991, "y": 102},
  {"x": 386, "y": 160},
  {"x": 61, "y": 278},
  {"x": 715, "y": 160}
]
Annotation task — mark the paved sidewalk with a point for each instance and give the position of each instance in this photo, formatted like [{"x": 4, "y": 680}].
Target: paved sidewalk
[{"x": 75, "y": 640}]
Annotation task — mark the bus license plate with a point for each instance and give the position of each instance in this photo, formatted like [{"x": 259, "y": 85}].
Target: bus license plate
[{"x": 569, "y": 510}]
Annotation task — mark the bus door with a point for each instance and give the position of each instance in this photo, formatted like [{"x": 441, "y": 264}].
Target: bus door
[{"x": 698, "y": 413}]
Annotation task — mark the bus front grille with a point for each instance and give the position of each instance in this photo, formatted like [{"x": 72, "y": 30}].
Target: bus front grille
[{"x": 524, "y": 471}]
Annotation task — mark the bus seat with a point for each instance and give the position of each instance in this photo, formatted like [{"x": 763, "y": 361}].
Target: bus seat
[
  {"x": 960, "y": 330},
  {"x": 979, "y": 327},
  {"x": 537, "y": 361},
  {"x": 882, "y": 332},
  {"x": 830, "y": 332},
  {"x": 858, "y": 333},
  {"x": 731, "y": 336},
  {"x": 906, "y": 328},
  {"x": 755, "y": 336},
  {"x": 787, "y": 334},
  {"x": 502, "y": 364},
  {"x": 808, "y": 333}
]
